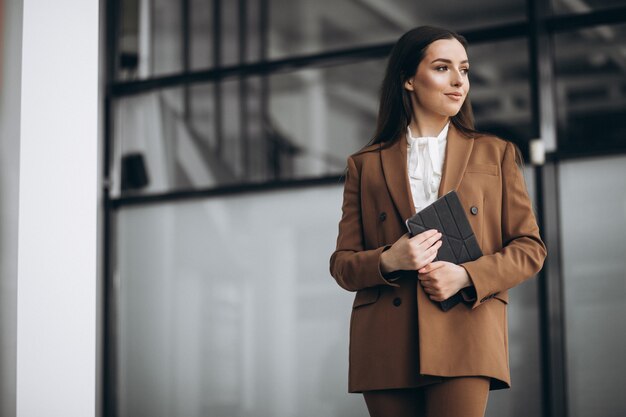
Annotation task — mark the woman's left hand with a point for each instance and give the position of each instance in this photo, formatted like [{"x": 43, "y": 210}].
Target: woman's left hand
[{"x": 441, "y": 279}]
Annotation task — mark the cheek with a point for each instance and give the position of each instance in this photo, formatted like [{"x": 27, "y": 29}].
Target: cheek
[
  {"x": 430, "y": 88},
  {"x": 432, "y": 84}
]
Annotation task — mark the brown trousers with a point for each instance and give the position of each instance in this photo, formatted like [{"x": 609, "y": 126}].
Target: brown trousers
[{"x": 454, "y": 397}]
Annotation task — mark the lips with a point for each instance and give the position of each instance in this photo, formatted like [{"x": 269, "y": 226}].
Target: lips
[{"x": 455, "y": 96}]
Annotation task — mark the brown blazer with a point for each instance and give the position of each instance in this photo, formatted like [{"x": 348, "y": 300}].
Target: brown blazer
[{"x": 398, "y": 336}]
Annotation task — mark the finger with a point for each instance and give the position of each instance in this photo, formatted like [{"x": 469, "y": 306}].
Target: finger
[
  {"x": 430, "y": 254},
  {"x": 429, "y": 290},
  {"x": 422, "y": 277},
  {"x": 429, "y": 241},
  {"x": 433, "y": 239},
  {"x": 420, "y": 238},
  {"x": 426, "y": 283},
  {"x": 433, "y": 265}
]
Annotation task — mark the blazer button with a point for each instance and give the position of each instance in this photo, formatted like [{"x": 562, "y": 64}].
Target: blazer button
[
  {"x": 397, "y": 301},
  {"x": 382, "y": 216},
  {"x": 474, "y": 210}
]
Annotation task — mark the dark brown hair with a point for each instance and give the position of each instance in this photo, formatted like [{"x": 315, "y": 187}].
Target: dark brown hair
[{"x": 395, "y": 109}]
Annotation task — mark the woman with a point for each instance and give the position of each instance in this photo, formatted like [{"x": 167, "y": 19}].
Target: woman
[{"x": 407, "y": 356}]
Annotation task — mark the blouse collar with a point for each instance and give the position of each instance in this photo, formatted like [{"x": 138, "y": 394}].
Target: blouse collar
[{"x": 425, "y": 159}]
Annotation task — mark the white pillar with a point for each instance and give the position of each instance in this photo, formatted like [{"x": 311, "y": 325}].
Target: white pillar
[{"x": 56, "y": 301}]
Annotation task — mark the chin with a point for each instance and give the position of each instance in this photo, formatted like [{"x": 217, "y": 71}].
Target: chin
[
  {"x": 453, "y": 111},
  {"x": 450, "y": 113}
]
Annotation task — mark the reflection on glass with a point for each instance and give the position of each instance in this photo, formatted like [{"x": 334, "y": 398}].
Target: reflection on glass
[
  {"x": 500, "y": 89},
  {"x": 323, "y": 115},
  {"x": 226, "y": 308},
  {"x": 200, "y": 34},
  {"x": 150, "y": 39},
  {"x": 591, "y": 94},
  {"x": 579, "y": 7},
  {"x": 222, "y": 134},
  {"x": 146, "y": 158},
  {"x": 312, "y": 120},
  {"x": 304, "y": 27},
  {"x": 593, "y": 226}
]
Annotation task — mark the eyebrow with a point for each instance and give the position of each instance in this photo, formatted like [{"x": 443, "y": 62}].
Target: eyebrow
[{"x": 448, "y": 61}]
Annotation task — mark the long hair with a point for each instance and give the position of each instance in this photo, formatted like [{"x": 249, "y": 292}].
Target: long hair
[{"x": 395, "y": 109}]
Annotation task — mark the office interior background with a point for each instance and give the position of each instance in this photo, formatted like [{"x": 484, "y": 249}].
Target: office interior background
[{"x": 225, "y": 131}]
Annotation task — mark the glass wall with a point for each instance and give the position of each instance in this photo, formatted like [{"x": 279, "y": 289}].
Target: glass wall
[
  {"x": 590, "y": 69},
  {"x": 593, "y": 213},
  {"x": 305, "y": 27},
  {"x": 152, "y": 33},
  {"x": 222, "y": 304},
  {"x": 500, "y": 89},
  {"x": 226, "y": 308},
  {"x": 581, "y": 7}
]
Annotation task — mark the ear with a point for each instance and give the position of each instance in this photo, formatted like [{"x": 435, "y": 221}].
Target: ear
[{"x": 408, "y": 84}]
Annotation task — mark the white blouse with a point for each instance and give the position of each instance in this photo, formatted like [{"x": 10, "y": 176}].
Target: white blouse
[{"x": 425, "y": 157}]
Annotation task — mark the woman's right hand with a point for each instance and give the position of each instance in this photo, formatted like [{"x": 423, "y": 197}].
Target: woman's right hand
[{"x": 411, "y": 253}]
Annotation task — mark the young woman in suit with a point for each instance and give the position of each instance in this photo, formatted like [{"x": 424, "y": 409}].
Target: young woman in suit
[{"x": 407, "y": 356}]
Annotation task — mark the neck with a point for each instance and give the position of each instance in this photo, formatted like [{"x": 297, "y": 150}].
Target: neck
[
  {"x": 425, "y": 122},
  {"x": 427, "y": 126}
]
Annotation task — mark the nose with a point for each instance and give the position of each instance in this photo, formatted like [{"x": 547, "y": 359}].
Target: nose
[{"x": 457, "y": 79}]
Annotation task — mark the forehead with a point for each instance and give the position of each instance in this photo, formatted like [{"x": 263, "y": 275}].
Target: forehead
[{"x": 446, "y": 48}]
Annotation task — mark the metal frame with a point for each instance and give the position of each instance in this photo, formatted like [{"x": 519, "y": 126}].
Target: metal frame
[
  {"x": 109, "y": 399},
  {"x": 551, "y": 315},
  {"x": 538, "y": 29}
]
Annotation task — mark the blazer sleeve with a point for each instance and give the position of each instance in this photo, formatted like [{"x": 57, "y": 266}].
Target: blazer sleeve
[
  {"x": 353, "y": 267},
  {"x": 523, "y": 251}
]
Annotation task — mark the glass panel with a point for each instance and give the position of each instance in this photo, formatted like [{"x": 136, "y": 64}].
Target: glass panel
[
  {"x": 305, "y": 27},
  {"x": 500, "y": 89},
  {"x": 151, "y": 38},
  {"x": 166, "y": 51},
  {"x": 201, "y": 34},
  {"x": 149, "y": 140},
  {"x": 322, "y": 115},
  {"x": 593, "y": 225},
  {"x": 160, "y": 147},
  {"x": 574, "y": 7},
  {"x": 127, "y": 60},
  {"x": 230, "y": 32},
  {"x": 226, "y": 308},
  {"x": 315, "y": 118},
  {"x": 591, "y": 89}
]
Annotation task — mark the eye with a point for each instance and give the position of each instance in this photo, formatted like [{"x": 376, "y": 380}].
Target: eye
[
  {"x": 466, "y": 70},
  {"x": 441, "y": 67}
]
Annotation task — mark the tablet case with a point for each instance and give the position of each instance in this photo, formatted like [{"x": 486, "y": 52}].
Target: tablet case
[{"x": 459, "y": 244}]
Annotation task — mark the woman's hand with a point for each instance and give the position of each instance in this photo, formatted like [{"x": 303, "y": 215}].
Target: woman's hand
[
  {"x": 411, "y": 253},
  {"x": 441, "y": 279}
]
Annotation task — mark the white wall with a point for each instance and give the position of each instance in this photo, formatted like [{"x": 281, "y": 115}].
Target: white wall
[
  {"x": 10, "y": 75},
  {"x": 56, "y": 301}
]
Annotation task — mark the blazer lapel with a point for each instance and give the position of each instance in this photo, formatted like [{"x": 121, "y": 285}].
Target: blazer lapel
[
  {"x": 394, "y": 162},
  {"x": 393, "y": 158},
  {"x": 458, "y": 151}
]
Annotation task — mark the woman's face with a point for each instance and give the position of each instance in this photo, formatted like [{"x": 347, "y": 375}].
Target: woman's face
[{"x": 440, "y": 84}]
